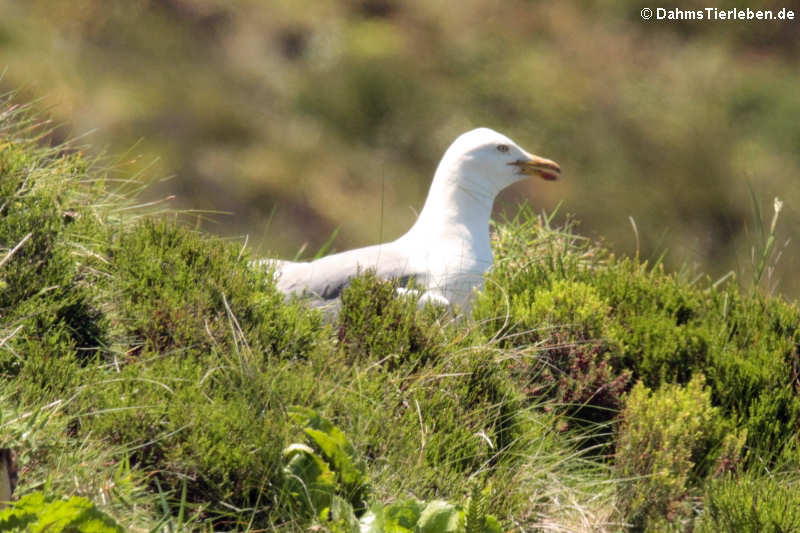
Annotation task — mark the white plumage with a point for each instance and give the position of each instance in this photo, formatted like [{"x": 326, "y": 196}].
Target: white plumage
[{"x": 447, "y": 251}]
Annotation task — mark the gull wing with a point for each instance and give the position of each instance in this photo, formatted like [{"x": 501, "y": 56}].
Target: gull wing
[{"x": 325, "y": 278}]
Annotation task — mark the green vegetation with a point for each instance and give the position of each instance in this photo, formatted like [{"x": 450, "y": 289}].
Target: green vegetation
[
  {"x": 331, "y": 483},
  {"x": 599, "y": 321},
  {"x": 663, "y": 439},
  {"x": 36, "y": 513},
  {"x": 752, "y": 504},
  {"x": 152, "y": 379}
]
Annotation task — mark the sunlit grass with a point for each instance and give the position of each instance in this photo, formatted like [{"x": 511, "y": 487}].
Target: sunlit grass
[{"x": 151, "y": 367}]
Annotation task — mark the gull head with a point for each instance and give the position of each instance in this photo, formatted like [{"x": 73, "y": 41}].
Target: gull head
[{"x": 495, "y": 160}]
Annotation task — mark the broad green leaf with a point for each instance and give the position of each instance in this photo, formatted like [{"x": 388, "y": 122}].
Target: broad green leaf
[
  {"x": 492, "y": 525},
  {"x": 23, "y": 512},
  {"x": 337, "y": 450},
  {"x": 341, "y": 460},
  {"x": 342, "y": 512},
  {"x": 37, "y": 513},
  {"x": 308, "y": 418},
  {"x": 332, "y": 442},
  {"x": 308, "y": 477},
  {"x": 399, "y": 517},
  {"x": 404, "y": 515},
  {"x": 439, "y": 517}
]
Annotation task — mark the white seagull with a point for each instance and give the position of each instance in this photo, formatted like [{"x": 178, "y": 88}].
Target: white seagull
[{"x": 447, "y": 251}]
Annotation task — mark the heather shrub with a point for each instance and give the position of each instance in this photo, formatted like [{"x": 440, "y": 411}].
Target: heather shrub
[
  {"x": 175, "y": 292},
  {"x": 751, "y": 503},
  {"x": 576, "y": 364},
  {"x": 52, "y": 321},
  {"x": 560, "y": 325},
  {"x": 662, "y": 438},
  {"x": 377, "y": 323},
  {"x": 208, "y": 362},
  {"x": 584, "y": 324},
  {"x": 564, "y": 304}
]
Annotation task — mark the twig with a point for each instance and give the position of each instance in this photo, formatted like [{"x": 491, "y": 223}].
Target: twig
[
  {"x": 5, "y": 339},
  {"x": 14, "y": 250}
]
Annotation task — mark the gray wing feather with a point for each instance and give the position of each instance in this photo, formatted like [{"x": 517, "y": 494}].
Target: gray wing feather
[{"x": 326, "y": 277}]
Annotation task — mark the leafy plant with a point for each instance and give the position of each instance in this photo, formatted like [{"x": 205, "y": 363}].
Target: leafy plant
[
  {"x": 335, "y": 469},
  {"x": 330, "y": 481},
  {"x": 38, "y": 513},
  {"x": 436, "y": 516}
]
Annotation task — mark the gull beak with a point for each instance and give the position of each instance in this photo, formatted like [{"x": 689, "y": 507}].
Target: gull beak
[{"x": 533, "y": 165}]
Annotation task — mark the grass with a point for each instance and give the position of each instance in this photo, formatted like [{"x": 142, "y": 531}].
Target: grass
[{"x": 150, "y": 369}]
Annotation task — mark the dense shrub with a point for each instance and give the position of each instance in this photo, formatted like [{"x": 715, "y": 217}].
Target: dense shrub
[
  {"x": 751, "y": 504},
  {"x": 573, "y": 364},
  {"x": 377, "y": 324},
  {"x": 209, "y": 345},
  {"x": 48, "y": 228},
  {"x": 170, "y": 285},
  {"x": 586, "y": 324},
  {"x": 662, "y": 438}
]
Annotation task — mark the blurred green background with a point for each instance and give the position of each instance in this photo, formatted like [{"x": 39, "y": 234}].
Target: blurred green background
[{"x": 299, "y": 118}]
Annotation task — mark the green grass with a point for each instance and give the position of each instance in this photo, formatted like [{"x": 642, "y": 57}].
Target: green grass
[{"x": 152, "y": 370}]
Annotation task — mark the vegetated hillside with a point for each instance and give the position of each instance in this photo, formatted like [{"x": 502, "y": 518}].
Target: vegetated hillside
[
  {"x": 286, "y": 114},
  {"x": 149, "y": 368}
]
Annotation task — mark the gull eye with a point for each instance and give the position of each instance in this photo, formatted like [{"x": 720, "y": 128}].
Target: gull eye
[{"x": 502, "y": 148}]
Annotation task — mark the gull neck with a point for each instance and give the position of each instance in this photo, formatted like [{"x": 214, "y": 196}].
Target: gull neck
[{"x": 458, "y": 200}]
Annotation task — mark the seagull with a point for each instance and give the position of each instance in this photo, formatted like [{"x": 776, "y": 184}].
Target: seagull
[{"x": 447, "y": 251}]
